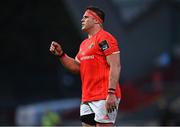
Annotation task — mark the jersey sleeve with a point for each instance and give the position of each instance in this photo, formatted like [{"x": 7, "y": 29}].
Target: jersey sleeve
[
  {"x": 77, "y": 60},
  {"x": 109, "y": 45}
]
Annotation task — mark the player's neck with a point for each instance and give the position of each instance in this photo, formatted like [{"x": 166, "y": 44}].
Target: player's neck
[{"x": 93, "y": 31}]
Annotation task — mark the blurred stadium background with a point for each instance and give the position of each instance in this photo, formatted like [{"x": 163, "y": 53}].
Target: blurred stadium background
[{"x": 33, "y": 82}]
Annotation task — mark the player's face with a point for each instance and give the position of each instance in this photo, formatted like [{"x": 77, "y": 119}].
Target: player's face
[{"x": 87, "y": 22}]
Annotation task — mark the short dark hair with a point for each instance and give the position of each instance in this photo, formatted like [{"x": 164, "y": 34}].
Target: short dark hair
[{"x": 98, "y": 11}]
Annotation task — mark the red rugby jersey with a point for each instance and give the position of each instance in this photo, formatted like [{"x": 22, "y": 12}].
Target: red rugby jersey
[{"x": 94, "y": 69}]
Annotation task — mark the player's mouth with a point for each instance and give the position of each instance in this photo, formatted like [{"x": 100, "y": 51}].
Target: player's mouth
[{"x": 82, "y": 25}]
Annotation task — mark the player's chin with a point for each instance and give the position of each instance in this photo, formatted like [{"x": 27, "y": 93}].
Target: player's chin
[{"x": 83, "y": 29}]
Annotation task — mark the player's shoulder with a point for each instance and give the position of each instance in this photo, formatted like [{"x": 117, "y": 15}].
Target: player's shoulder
[
  {"x": 106, "y": 34},
  {"x": 84, "y": 41}
]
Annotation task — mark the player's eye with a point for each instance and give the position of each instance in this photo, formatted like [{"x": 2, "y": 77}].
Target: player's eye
[{"x": 85, "y": 17}]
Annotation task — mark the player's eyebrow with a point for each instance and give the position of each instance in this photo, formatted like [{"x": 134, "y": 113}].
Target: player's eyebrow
[{"x": 85, "y": 16}]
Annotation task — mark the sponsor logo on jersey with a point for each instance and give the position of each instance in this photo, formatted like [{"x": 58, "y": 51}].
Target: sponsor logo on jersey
[
  {"x": 103, "y": 45},
  {"x": 87, "y": 57}
]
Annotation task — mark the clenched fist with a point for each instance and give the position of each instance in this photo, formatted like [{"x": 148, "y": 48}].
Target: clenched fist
[{"x": 56, "y": 49}]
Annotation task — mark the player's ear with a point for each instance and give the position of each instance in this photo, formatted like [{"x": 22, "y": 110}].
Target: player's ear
[{"x": 96, "y": 21}]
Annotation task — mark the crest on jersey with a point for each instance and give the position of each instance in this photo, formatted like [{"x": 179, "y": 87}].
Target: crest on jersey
[
  {"x": 91, "y": 45},
  {"x": 103, "y": 45}
]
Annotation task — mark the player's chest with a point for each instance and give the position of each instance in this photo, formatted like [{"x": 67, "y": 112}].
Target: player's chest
[{"x": 88, "y": 48}]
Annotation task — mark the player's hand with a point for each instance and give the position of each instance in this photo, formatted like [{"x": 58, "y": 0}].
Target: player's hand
[
  {"x": 56, "y": 49},
  {"x": 111, "y": 103}
]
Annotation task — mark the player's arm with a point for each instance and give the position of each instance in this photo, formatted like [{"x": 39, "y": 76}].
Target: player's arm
[
  {"x": 70, "y": 63},
  {"x": 114, "y": 62},
  {"x": 66, "y": 61},
  {"x": 115, "y": 67}
]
